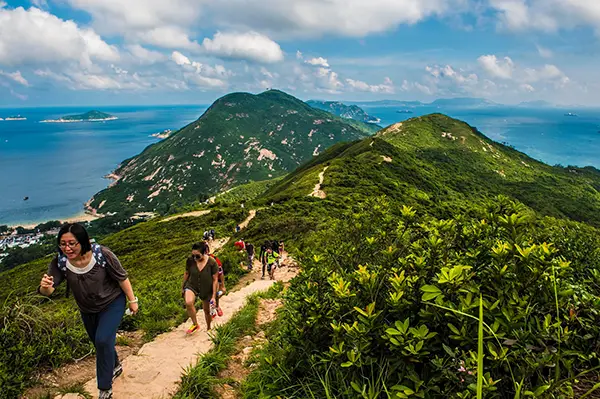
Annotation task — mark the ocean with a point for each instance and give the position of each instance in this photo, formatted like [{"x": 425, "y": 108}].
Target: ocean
[{"x": 59, "y": 166}]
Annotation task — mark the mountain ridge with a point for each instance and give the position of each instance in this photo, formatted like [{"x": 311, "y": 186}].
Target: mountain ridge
[{"x": 241, "y": 137}]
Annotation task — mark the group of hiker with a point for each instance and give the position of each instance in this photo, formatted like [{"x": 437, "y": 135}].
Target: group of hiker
[
  {"x": 102, "y": 290},
  {"x": 270, "y": 255}
]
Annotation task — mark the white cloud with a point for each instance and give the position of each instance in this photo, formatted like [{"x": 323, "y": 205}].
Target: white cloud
[
  {"x": 548, "y": 73},
  {"x": 502, "y": 69},
  {"x": 320, "y": 61},
  {"x": 206, "y": 82},
  {"x": 547, "y": 15},
  {"x": 251, "y": 46},
  {"x": 180, "y": 59},
  {"x": 34, "y": 36},
  {"x": 135, "y": 16},
  {"x": 171, "y": 37},
  {"x": 386, "y": 87},
  {"x": 448, "y": 73},
  {"x": 144, "y": 56},
  {"x": 527, "y": 88},
  {"x": 299, "y": 55},
  {"x": 16, "y": 77},
  {"x": 355, "y": 18},
  {"x": 40, "y": 3}
]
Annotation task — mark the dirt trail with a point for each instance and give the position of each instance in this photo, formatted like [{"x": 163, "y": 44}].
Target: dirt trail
[
  {"x": 155, "y": 371},
  {"x": 317, "y": 192},
  {"x": 185, "y": 215},
  {"x": 244, "y": 224}
]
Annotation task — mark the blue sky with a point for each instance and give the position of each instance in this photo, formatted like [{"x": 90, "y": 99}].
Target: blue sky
[{"x": 96, "y": 52}]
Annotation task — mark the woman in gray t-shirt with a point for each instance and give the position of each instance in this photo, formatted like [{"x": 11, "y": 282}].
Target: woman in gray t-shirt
[{"x": 100, "y": 287}]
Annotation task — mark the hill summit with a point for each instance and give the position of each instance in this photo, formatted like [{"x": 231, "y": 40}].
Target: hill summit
[{"x": 242, "y": 137}]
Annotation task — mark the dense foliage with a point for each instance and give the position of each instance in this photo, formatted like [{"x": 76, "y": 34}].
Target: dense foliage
[
  {"x": 240, "y": 138},
  {"x": 387, "y": 306}
]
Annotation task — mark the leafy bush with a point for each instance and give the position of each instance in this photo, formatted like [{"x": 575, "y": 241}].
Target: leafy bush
[{"x": 389, "y": 307}]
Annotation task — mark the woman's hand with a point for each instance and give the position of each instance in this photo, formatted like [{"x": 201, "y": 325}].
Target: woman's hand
[
  {"x": 133, "y": 306},
  {"x": 47, "y": 282}
]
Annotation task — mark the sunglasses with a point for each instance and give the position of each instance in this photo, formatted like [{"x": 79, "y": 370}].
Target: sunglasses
[{"x": 196, "y": 257}]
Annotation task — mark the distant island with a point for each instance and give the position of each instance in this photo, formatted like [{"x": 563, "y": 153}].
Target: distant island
[
  {"x": 165, "y": 134},
  {"x": 91, "y": 116},
  {"x": 570, "y": 114},
  {"x": 15, "y": 118}
]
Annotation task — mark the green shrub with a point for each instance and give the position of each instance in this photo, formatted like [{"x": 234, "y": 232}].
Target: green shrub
[{"x": 388, "y": 307}]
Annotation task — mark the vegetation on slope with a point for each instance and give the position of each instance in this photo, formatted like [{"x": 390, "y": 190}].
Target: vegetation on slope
[
  {"x": 240, "y": 138},
  {"x": 343, "y": 110}
]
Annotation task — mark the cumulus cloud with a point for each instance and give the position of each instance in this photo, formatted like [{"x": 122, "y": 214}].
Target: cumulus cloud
[
  {"x": 144, "y": 56},
  {"x": 200, "y": 74},
  {"x": 544, "y": 52},
  {"x": 355, "y": 18},
  {"x": 16, "y": 77},
  {"x": 34, "y": 36},
  {"x": 527, "y": 88},
  {"x": 502, "y": 69},
  {"x": 320, "y": 61},
  {"x": 170, "y": 37},
  {"x": 387, "y": 87},
  {"x": 251, "y": 46},
  {"x": 448, "y": 72},
  {"x": 135, "y": 16},
  {"x": 547, "y": 15}
]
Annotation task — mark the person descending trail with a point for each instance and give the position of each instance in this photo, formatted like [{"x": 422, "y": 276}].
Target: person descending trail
[
  {"x": 212, "y": 234},
  {"x": 200, "y": 280},
  {"x": 100, "y": 287},
  {"x": 272, "y": 262},
  {"x": 250, "y": 251}
]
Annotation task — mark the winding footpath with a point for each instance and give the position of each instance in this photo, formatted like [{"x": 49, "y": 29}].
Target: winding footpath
[
  {"x": 155, "y": 371},
  {"x": 317, "y": 192}
]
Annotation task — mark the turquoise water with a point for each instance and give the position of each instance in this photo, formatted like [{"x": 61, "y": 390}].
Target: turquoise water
[{"x": 60, "y": 166}]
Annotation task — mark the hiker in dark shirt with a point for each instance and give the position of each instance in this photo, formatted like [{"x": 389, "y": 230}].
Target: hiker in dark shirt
[
  {"x": 101, "y": 290},
  {"x": 200, "y": 280},
  {"x": 250, "y": 251}
]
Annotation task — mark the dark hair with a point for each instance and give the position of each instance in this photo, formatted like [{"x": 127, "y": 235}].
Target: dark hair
[
  {"x": 80, "y": 233},
  {"x": 201, "y": 246}
]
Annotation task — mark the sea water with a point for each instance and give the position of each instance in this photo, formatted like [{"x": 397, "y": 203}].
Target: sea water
[{"x": 60, "y": 166}]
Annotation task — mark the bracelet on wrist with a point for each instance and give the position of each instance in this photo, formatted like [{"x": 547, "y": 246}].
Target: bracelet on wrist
[{"x": 134, "y": 301}]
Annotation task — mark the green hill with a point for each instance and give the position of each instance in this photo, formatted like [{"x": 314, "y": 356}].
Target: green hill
[
  {"x": 240, "y": 138},
  {"x": 343, "y": 110},
  {"x": 443, "y": 163},
  {"x": 90, "y": 116}
]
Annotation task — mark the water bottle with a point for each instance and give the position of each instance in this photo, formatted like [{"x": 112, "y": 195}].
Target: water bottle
[
  {"x": 220, "y": 294},
  {"x": 128, "y": 312}
]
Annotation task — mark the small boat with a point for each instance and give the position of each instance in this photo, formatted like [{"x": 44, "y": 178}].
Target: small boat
[
  {"x": 570, "y": 114},
  {"x": 26, "y": 198}
]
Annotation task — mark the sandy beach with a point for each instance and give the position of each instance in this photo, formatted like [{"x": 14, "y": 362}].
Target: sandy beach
[{"x": 81, "y": 217}]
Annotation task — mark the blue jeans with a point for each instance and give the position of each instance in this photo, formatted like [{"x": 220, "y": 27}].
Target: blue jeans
[{"x": 102, "y": 330}]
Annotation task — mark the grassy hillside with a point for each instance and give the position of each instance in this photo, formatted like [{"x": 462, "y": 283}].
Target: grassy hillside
[{"x": 240, "y": 138}]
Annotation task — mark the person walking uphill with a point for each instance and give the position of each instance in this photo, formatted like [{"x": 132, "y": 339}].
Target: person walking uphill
[
  {"x": 100, "y": 287},
  {"x": 200, "y": 280}
]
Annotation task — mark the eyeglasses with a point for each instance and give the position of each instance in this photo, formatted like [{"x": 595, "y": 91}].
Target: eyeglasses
[{"x": 71, "y": 244}]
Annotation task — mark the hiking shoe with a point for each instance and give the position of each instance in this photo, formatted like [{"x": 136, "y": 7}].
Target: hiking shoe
[
  {"x": 117, "y": 371},
  {"x": 220, "y": 311},
  {"x": 102, "y": 394},
  {"x": 192, "y": 329}
]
